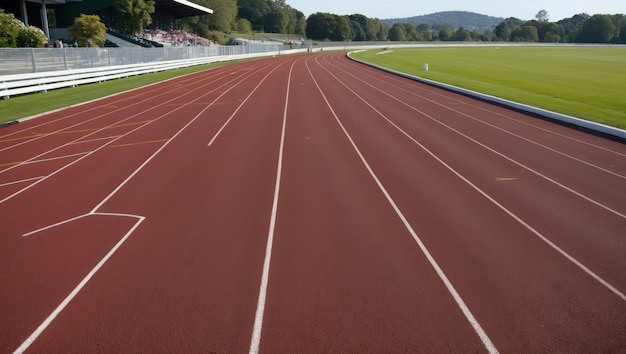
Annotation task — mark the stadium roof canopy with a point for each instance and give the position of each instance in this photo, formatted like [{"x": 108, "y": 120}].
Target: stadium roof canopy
[
  {"x": 180, "y": 8},
  {"x": 176, "y": 8}
]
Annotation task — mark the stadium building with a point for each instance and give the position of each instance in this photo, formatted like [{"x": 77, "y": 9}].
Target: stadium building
[{"x": 55, "y": 16}]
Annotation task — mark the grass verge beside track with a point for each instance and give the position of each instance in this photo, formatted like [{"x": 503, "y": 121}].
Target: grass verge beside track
[
  {"x": 584, "y": 82},
  {"x": 36, "y": 103}
]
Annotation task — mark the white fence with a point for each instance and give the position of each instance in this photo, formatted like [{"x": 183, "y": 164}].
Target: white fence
[
  {"x": 32, "y": 60},
  {"x": 70, "y": 67},
  {"x": 16, "y": 84}
]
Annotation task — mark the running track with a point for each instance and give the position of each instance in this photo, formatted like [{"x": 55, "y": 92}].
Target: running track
[{"x": 308, "y": 204}]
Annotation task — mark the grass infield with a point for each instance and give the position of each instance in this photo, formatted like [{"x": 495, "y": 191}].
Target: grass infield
[{"x": 584, "y": 82}]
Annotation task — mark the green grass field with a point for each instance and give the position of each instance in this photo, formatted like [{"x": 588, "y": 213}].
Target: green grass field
[
  {"x": 584, "y": 82},
  {"x": 32, "y": 104}
]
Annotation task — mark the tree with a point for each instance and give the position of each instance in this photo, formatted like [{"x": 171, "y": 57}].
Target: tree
[
  {"x": 325, "y": 26},
  {"x": 359, "y": 24},
  {"x": 341, "y": 30},
  {"x": 133, "y": 15},
  {"x": 598, "y": 29},
  {"x": 253, "y": 11},
  {"x": 542, "y": 16},
  {"x": 397, "y": 32},
  {"x": 551, "y": 33},
  {"x": 31, "y": 37},
  {"x": 462, "y": 35},
  {"x": 504, "y": 29},
  {"x": 87, "y": 30},
  {"x": 10, "y": 28},
  {"x": 318, "y": 26},
  {"x": 446, "y": 34},
  {"x": 375, "y": 31},
  {"x": 573, "y": 26},
  {"x": 275, "y": 21},
  {"x": 243, "y": 25},
  {"x": 223, "y": 19},
  {"x": 358, "y": 33},
  {"x": 525, "y": 33}
]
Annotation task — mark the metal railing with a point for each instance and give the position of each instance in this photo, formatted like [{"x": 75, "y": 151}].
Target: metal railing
[{"x": 33, "y": 60}]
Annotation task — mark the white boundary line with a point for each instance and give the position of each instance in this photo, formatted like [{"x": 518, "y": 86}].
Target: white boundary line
[
  {"x": 260, "y": 309},
  {"x": 537, "y": 173},
  {"x": 112, "y": 141},
  {"x": 29, "y": 341},
  {"x": 123, "y": 94},
  {"x": 554, "y": 246},
  {"x": 455, "y": 295},
  {"x": 55, "y": 158},
  {"x": 219, "y": 132},
  {"x": 598, "y": 127},
  {"x": 21, "y": 181},
  {"x": 24, "y": 346},
  {"x": 495, "y": 126}
]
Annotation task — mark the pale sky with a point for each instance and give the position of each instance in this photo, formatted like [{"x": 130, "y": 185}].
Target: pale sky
[{"x": 525, "y": 10}]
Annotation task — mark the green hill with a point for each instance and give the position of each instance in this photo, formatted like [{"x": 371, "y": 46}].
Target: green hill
[{"x": 455, "y": 19}]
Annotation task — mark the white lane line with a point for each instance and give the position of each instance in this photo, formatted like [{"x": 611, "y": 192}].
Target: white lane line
[
  {"x": 21, "y": 181},
  {"x": 457, "y": 298},
  {"x": 413, "y": 93},
  {"x": 465, "y": 102},
  {"x": 571, "y": 190},
  {"x": 29, "y": 341},
  {"x": 112, "y": 141},
  {"x": 26, "y": 344},
  {"x": 152, "y": 94},
  {"x": 97, "y": 139},
  {"x": 238, "y": 108},
  {"x": 260, "y": 307},
  {"x": 55, "y": 158},
  {"x": 171, "y": 139},
  {"x": 492, "y": 200}
]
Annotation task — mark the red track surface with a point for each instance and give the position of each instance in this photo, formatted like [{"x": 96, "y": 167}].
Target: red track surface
[{"x": 308, "y": 204}]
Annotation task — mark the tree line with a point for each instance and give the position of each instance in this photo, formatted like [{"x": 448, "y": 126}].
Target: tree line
[{"x": 276, "y": 16}]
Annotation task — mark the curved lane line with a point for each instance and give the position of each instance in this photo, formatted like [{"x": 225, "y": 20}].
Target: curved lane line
[
  {"x": 457, "y": 298},
  {"x": 486, "y": 195}
]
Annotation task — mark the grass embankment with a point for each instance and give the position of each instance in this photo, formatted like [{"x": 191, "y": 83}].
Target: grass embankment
[
  {"x": 584, "y": 82},
  {"x": 32, "y": 104}
]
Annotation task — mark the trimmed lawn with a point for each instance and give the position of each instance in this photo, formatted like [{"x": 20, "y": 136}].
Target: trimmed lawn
[{"x": 587, "y": 82}]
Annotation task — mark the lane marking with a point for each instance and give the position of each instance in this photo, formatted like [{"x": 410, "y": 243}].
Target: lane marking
[
  {"x": 42, "y": 327},
  {"x": 108, "y": 143},
  {"x": 11, "y": 163},
  {"x": 260, "y": 307},
  {"x": 55, "y": 158},
  {"x": 180, "y": 131},
  {"x": 94, "y": 211},
  {"x": 139, "y": 143},
  {"x": 530, "y": 169},
  {"x": 34, "y": 135},
  {"x": 28, "y": 162},
  {"x": 96, "y": 139},
  {"x": 487, "y": 196},
  {"x": 159, "y": 90},
  {"x": 243, "y": 102},
  {"x": 442, "y": 276},
  {"x": 506, "y": 179},
  {"x": 21, "y": 181}
]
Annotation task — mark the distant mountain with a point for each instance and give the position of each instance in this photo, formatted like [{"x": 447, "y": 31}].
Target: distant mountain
[{"x": 455, "y": 19}]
